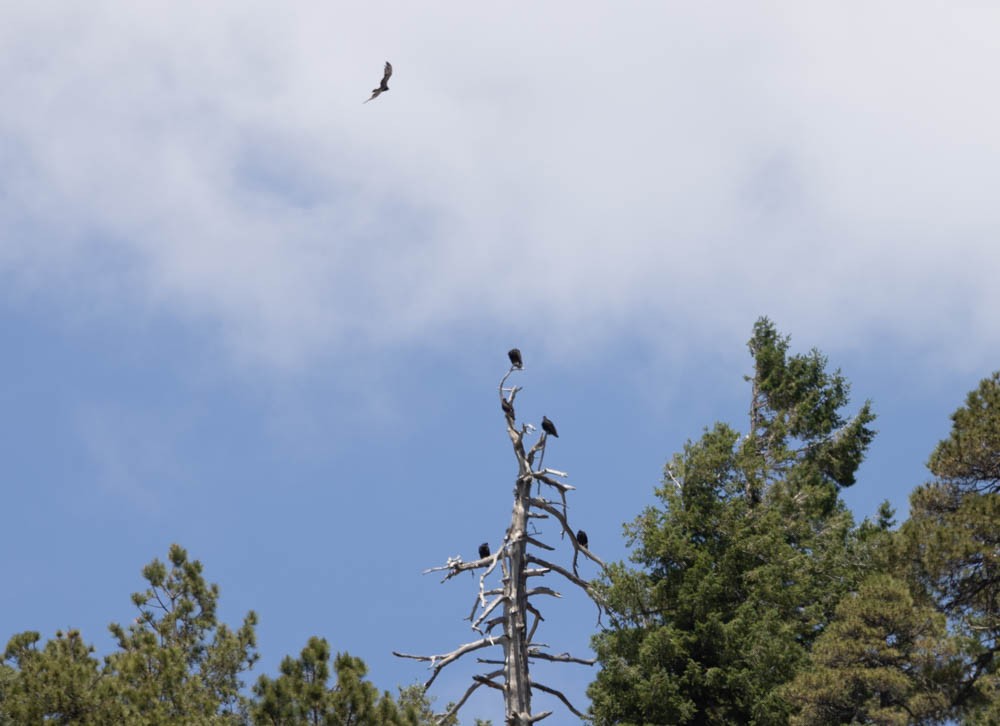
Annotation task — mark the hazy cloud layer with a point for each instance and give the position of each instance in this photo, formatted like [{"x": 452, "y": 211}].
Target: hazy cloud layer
[{"x": 627, "y": 167}]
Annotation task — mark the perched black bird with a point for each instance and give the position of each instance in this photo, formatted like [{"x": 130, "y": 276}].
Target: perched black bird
[
  {"x": 581, "y": 537},
  {"x": 484, "y": 550},
  {"x": 507, "y": 407},
  {"x": 549, "y": 427},
  {"x": 384, "y": 85},
  {"x": 515, "y": 358}
]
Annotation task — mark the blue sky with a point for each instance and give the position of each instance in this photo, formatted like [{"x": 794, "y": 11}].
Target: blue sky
[{"x": 246, "y": 313}]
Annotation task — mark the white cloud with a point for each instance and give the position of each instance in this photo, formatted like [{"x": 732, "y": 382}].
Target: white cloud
[
  {"x": 631, "y": 167},
  {"x": 131, "y": 454}
]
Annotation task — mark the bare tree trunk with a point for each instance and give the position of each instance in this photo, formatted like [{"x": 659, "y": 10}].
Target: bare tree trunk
[{"x": 518, "y": 696}]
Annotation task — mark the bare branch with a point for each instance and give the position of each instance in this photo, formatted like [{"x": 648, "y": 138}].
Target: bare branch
[
  {"x": 486, "y": 611},
  {"x": 534, "y": 625},
  {"x": 539, "y": 446},
  {"x": 492, "y": 560},
  {"x": 561, "y": 487},
  {"x": 456, "y": 566},
  {"x": 477, "y": 682},
  {"x": 545, "y": 506},
  {"x": 450, "y": 566},
  {"x": 479, "y": 602},
  {"x": 578, "y": 581},
  {"x": 544, "y": 591},
  {"x": 538, "y": 543},
  {"x": 515, "y": 389},
  {"x": 440, "y": 661},
  {"x": 535, "y": 719},
  {"x": 493, "y": 623},
  {"x": 560, "y": 696},
  {"x": 536, "y": 573},
  {"x": 561, "y": 658}
]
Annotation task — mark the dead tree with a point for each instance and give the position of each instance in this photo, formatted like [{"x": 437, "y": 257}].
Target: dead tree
[{"x": 509, "y": 605}]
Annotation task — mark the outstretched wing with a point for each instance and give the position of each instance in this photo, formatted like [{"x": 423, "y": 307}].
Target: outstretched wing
[{"x": 384, "y": 85}]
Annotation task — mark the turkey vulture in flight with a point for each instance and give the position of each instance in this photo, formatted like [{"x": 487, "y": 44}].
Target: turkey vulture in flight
[
  {"x": 515, "y": 358},
  {"x": 384, "y": 85},
  {"x": 484, "y": 550},
  {"x": 507, "y": 407},
  {"x": 549, "y": 427},
  {"x": 581, "y": 537}
]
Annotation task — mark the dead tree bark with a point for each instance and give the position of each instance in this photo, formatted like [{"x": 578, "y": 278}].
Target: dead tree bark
[{"x": 516, "y": 561}]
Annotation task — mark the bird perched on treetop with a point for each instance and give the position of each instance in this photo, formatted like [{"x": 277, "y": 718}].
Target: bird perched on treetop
[
  {"x": 549, "y": 427},
  {"x": 484, "y": 550},
  {"x": 515, "y": 358},
  {"x": 384, "y": 85},
  {"x": 581, "y": 537}
]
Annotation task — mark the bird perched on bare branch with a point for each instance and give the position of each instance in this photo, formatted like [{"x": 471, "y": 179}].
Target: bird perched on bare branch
[
  {"x": 507, "y": 406},
  {"x": 549, "y": 427},
  {"x": 515, "y": 358},
  {"x": 581, "y": 537},
  {"x": 484, "y": 550},
  {"x": 384, "y": 85}
]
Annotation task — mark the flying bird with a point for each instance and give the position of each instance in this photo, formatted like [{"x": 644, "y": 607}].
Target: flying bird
[
  {"x": 549, "y": 427},
  {"x": 484, "y": 550},
  {"x": 507, "y": 407},
  {"x": 515, "y": 358},
  {"x": 581, "y": 537},
  {"x": 384, "y": 85}
]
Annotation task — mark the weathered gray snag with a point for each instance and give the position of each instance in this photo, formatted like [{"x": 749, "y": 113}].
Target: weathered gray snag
[{"x": 514, "y": 598}]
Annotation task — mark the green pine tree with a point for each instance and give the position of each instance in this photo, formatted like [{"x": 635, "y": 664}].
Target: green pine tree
[
  {"x": 175, "y": 665},
  {"x": 952, "y": 542},
  {"x": 176, "y": 662},
  {"x": 743, "y": 562},
  {"x": 302, "y": 694},
  {"x": 60, "y": 683},
  {"x": 885, "y": 659}
]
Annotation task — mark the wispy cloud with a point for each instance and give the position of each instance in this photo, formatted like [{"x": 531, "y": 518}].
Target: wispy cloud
[
  {"x": 639, "y": 169},
  {"x": 130, "y": 454}
]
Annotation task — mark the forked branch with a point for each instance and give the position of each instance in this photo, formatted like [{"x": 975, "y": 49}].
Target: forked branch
[{"x": 440, "y": 661}]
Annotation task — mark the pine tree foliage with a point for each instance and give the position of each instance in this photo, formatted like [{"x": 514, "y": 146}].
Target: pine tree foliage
[
  {"x": 302, "y": 694},
  {"x": 885, "y": 659},
  {"x": 797, "y": 429},
  {"x": 176, "y": 660},
  {"x": 952, "y": 542},
  {"x": 743, "y": 561},
  {"x": 969, "y": 458},
  {"x": 177, "y": 665},
  {"x": 58, "y": 684}
]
